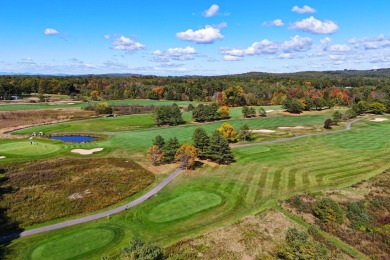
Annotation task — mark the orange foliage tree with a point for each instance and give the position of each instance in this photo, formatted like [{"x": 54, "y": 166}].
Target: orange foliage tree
[
  {"x": 156, "y": 155},
  {"x": 187, "y": 155},
  {"x": 228, "y": 132},
  {"x": 224, "y": 112}
]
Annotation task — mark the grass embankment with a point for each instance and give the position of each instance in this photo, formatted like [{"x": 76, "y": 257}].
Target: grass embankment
[
  {"x": 261, "y": 176},
  {"x": 45, "y": 190}
]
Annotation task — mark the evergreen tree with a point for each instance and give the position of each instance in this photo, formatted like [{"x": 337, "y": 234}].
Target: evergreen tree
[
  {"x": 262, "y": 112},
  {"x": 245, "y": 111},
  {"x": 201, "y": 141},
  {"x": 159, "y": 141},
  {"x": 252, "y": 112},
  {"x": 219, "y": 150},
  {"x": 170, "y": 149},
  {"x": 244, "y": 133}
]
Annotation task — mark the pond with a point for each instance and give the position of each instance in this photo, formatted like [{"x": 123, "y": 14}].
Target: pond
[{"x": 73, "y": 138}]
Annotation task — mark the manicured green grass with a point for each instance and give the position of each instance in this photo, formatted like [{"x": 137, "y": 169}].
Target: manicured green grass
[
  {"x": 184, "y": 205},
  {"x": 142, "y": 102},
  {"x": 261, "y": 176}
]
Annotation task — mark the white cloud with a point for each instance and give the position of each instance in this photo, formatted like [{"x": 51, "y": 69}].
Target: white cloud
[
  {"x": 286, "y": 56},
  {"x": 262, "y": 47},
  {"x": 186, "y": 53},
  {"x": 276, "y": 22},
  {"x": 107, "y": 36},
  {"x": 127, "y": 44},
  {"x": 231, "y": 58},
  {"x": 338, "y": 48},
  {"x": 379, "y": 42},
  {"x": 50, "y": 31},
  {"x": 305, "y": 9},
  {"x": 212, "y": 11},
  {"x": 205, "y": 35},
  {"x": 315, "y": 26},
  {"x": 297, "y": 44}
]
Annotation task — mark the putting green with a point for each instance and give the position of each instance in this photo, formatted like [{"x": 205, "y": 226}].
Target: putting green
[
  {"x": 25, "y": 148},
  {"x": 184, "y": 205},
  {"x": 75, "y": 244}
]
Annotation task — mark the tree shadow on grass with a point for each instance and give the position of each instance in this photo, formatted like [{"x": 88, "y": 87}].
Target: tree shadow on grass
[{"x": 9, "y": 229}]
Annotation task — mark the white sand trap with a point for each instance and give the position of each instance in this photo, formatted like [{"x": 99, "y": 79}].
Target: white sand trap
[
  {"x": 71, "y": 103},
  {"x": 379, "y": 119},
  {"x": 292, "y": 127},
  {"x": 86, "y": 151},
  {"x": 262, "y": 131},
  {"x": 2, "y": 157},
  {"x": 269, "y": 111}
]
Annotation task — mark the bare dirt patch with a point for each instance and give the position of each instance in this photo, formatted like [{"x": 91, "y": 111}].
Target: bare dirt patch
[
  {"x": 292, "y": 127},
  {"x": 379, "y": 119},
  {"x": 87, "y": 151},
  {"x": 262, "y": 131}
]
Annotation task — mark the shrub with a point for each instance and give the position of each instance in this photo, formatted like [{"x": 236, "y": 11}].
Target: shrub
[
  {"x": 139, "y": 250},
  {"x": 357, "y": 212},
  {"x": 328, "y": 212}
]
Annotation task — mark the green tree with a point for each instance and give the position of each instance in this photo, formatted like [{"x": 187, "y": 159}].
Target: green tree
[
  {"x": 139, "y": 250},
  {"x": 360, "y": 107},
  {"x": 262, "y": 112},
  {"x": 244, "y": 133},
  {"x": 219, "y": 150},
  {"x": 245, "y": 111},
  {"x": 377, "y": 108},
  {"x": 201, "y": 141},
  {"x": 159, "y": 141},
  {"x": 170, "y": 149},
  {"x": 252, "y": 112},
  {"x": 293, "y": 105},
  {"x": 336, "y": 116}
]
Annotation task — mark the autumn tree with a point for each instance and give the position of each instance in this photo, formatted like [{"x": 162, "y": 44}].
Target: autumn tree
[
  {"x": 187, "y": 155},
  {"x": 377, "y": 108},
  {"x": 94, "y": 95},
  {"x": 228, "y": 132},
  {"x": 234, "y": 96},
  {"x": 328, "y": 124},
  {"x": 201, "y": 141},
  {"x": 103, "y": 108},
  {"x": 224, "y": 112},
  {"x": 219, "y": 150},
  {"x": 155, "y": 155}
]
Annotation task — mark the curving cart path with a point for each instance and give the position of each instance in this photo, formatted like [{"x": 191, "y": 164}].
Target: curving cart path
[{"x": 149, "y": 194}]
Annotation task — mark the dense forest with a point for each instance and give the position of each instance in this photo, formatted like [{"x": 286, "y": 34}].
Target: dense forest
[{"x": 255, "y": 88}]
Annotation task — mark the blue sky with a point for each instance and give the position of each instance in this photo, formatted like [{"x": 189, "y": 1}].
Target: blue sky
[{"x": 192, "y": 37}]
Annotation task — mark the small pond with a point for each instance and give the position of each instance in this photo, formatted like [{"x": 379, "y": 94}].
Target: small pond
[{"x": 73, "y": 138}]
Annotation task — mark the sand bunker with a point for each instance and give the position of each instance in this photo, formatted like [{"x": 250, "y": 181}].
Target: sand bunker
[
  {"x": 2, "y": 157},
  {"x": 70, "y": 103},
  {"x": 292, "y": 127},
  {"x": 378, "y": 119},
  {"x": 86, "y": 151},
  {"x": 262, "y": 131},
  {"x": 269, "y": 111}
]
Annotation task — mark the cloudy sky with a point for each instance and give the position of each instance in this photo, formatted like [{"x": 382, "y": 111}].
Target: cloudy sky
[{"x": 192, "y": 37}]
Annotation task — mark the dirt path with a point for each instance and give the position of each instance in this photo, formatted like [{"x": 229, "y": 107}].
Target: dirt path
[{"x": 149, "y": 194}]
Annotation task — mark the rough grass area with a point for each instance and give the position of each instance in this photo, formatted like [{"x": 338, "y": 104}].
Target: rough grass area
[
  {"x": 367, "y": 227},
  {"x": 40, "y": 191},
  {"x": 11, "y": 120}
]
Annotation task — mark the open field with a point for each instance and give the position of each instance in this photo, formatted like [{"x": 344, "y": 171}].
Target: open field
[{"x": 261, "y": 176}]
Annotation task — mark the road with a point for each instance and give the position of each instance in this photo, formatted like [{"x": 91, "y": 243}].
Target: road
[{"x": 149, "y": 194}]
